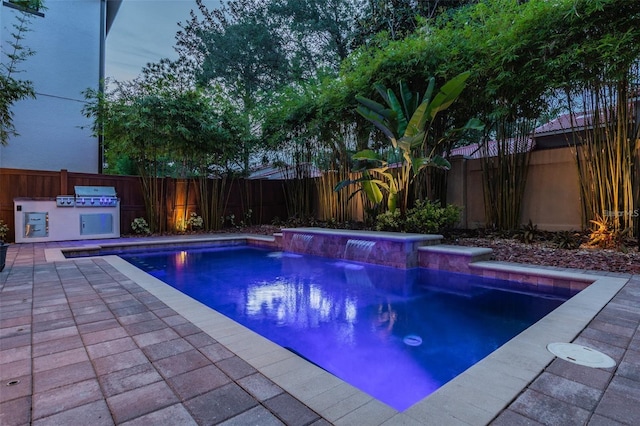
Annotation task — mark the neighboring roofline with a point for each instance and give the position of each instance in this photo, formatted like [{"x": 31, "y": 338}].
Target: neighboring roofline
[
  {"x": 576, "y": 122},
  {"x": 285, "y": 172},
  {"x": 112, "y": 11},
  {"x": 480, "y": 150},
  {"x": 563, "y": 124}
]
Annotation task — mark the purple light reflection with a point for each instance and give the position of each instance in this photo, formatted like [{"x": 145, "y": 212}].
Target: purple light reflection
[{"x": 352, "y": 319}]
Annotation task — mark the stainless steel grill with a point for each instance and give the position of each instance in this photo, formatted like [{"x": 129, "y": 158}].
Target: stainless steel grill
[{"x": 89, "y": 196}]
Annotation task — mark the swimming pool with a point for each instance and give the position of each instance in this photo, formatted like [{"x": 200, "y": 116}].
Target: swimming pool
[{"x": 396, "y": 334}]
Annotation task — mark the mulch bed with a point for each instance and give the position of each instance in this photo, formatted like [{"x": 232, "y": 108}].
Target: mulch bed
[{"x": 547, "y": 254}]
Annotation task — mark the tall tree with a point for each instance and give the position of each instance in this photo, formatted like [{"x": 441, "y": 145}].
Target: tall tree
[
  {"x": 397, "y": 18},
  {"x": 165, "y": 126},
  {"x": 236, "y": 49},
  {"x": 319, "y": 31}
]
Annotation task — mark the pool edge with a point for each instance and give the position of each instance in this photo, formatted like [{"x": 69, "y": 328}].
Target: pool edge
[
  {"x": 474, "y": 397},
  {"x": 480, "y": 393}
]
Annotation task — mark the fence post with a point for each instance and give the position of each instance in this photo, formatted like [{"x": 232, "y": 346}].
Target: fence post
[
  {"x": 64, "y": 182},
  {"x": 457, "y": 187},
  {"x": 636, "y": 205}
]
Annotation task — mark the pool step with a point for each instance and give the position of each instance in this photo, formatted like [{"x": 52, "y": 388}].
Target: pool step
[{"x": 452, "y": 258}]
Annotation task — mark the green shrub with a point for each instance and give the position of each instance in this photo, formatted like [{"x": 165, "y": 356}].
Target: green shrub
[
  {"x": 247, "y": 218},
  {"x": 528, "y": 233},
  {"x": 426, "y": 217},
  {"x": 231, "y": 219},
  {"x": 429, "y": 217},
  {"x": 569, "y": 240},
  {"x": 4, "y": 230},
  {"x": 140, "y": 226},
  {"x": 390, "y": 221},
  {"x": 195, "y": 222}
]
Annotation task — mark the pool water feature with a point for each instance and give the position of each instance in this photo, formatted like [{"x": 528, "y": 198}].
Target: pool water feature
[
  {"x": 358, "y": 250},
  {"x": 395, "y": 249},
  {"x": 354, "y": 320},
  {"x": 301, "y": 241}
]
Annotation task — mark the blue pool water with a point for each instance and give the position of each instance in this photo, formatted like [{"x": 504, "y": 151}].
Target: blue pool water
[{"x": 397, "y": 335}]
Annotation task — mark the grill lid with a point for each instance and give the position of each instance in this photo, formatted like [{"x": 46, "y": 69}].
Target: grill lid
[{"x": 95, "y": 191}]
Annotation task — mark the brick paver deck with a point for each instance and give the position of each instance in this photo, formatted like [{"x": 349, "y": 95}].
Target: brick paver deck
[
  {"x": 81, "y": 343},
  {"x": 570, "y": 394}
]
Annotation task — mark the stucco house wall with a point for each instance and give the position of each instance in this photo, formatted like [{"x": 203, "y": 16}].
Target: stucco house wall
[{"x": 69, "y": 49}]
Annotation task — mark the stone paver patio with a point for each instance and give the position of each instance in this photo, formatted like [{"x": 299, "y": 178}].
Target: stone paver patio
[{"x": 83, "y": 343}]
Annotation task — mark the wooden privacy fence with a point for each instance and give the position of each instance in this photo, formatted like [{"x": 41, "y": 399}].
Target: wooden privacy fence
[
  {"x": 265, "y": 198},
  {"x": 551, "y": 198},
  {"x": 251, "y": 201}
]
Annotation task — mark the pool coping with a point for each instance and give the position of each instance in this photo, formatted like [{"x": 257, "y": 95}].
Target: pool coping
[
  {"x": 476, "y": 396},
  {"x": 377, "y": 235}
]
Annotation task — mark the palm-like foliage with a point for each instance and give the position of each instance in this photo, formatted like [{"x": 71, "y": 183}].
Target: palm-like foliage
[{"x": 406, "y": 121}]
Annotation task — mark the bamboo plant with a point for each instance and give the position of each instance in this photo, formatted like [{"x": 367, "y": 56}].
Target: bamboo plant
[
  {"x": 505, "y": 165},
  {"x": 606, "y": 143}
]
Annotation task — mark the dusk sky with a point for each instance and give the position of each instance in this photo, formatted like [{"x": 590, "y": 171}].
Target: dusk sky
[{"x": 144, "y": 31}]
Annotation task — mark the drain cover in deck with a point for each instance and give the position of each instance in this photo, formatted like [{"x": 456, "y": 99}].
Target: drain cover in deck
[{"x": 581, "y": 355}]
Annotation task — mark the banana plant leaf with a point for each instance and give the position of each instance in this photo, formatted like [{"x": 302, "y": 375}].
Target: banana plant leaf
[
  {"x": 401, "y": 118},
  {"x": 375, "y": 107},
  {"x": 382, "y": 91},
  {"x": 474, "y": 124},
  {"x": 410, "y": 100},
  {"x": 435, "y": 161},
  {"x": 411, "y": 142},
  {"x": 405, "y": 121},
  {"x": 380, "y": 121},
  {"x": 367, "y": 154},
  {"x": 370, "y": 186},
  {"x": 448, "y": 94},
  {"x": 429, "y": 92},
  {"x": 391, "y": 184},
  {"x": 379, "y": 170},
  {"x": 404, "y": 145},
  {"x": 343, "y": 184},
  {"x": 372, "y": 190},
  {"x": 392, "y": 202},
  {"x": 416, "y": 123}
]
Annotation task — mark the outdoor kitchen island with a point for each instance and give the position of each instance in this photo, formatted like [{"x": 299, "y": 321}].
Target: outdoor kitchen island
[{"x": 93, "y": 212}]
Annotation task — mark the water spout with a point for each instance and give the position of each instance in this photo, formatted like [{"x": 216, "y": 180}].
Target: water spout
[
  {"x": 358, "y": 250},
  {"x": 301, "y": 242}
]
